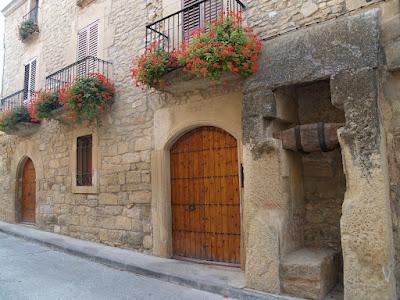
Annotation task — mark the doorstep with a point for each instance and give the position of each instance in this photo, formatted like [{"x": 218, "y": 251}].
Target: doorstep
[{"x": 226, "y": 281}]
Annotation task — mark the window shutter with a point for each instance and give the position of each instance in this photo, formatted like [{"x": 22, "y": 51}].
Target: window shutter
[
  {"x": 200, "y": 15},
  {"x": 191, "y": 18},
  {"x": 82, "y": 44},
  {"x": 212, "y": 9},
  {"x": 88, "y": 39},
  {"x": 93, "y": 39},
  {"x": 93, "y": 44},
  {"x": 82, "y": 50},
  {"x": 29, "y": 80},
  {"x": 32, "y": 79},
  {"x": 26, "y": 81}
]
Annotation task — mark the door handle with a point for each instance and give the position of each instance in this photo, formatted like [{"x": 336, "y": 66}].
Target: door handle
[{"x": 191, "y": 207}]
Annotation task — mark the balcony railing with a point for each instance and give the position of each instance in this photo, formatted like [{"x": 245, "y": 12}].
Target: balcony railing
[
  {"x": 82, "y": 68},
  {"x": 32, "y": 15},
  {"x": 20, "y": 98},
  {"x": 171, "y": 31}
]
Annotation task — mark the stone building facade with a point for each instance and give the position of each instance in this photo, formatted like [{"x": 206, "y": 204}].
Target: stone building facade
[{"x": 308, "y": 222}]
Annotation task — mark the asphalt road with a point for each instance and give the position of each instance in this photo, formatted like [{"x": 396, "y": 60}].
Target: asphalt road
[{"x": 31, "y": 271}]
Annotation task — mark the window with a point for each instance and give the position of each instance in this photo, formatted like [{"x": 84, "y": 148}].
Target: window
[
  {"x": 84, "y": 161},
  {"x": 33, "y": 10},
  {"x": 199, "y": 15},
  {"x": 88, "y": 39},
  {"x": 29, "y": 79}
]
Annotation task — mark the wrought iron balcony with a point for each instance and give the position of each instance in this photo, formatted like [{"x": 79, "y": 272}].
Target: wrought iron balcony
[
  {"x": 32, "y": 15},
  {"x": 82, "y": 68},
  {"x": 172, "y": 30},
  {"x": 17, "y": 99}
]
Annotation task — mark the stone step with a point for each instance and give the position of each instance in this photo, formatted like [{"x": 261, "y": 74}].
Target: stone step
[{"x": 309, "y": 273}]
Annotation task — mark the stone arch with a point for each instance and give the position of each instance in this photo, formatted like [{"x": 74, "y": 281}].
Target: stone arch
[{"x": 24, "y": 151}]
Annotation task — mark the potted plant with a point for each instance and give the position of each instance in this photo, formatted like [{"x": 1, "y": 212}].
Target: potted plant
[
  {"x": 225, "y": 47},
  {"x": 27, "y": 28},
  {"x": 18, "y": 121},
  {"x": 150, "y": 67},
  {"x": 87, "y": 98},
  {"x": 44, "y": 105}
]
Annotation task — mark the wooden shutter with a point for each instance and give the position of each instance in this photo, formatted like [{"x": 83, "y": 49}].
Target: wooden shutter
[
  {"x": 29, "y": 79},
  {"x": 88, "y": 40},
  {"x": 26, "y": 81},
  {"x": 212, "y": 9},
  {"x": 84, "y": 161},
  {"x": 82, "y": 50},
  {"x": 200, "y": 15},
  {"x": 82, "y": 44},
  {"x": 32, "y": 78},
  {"x": 191, "y": 18},
  {"x": 93, "y": 44}
]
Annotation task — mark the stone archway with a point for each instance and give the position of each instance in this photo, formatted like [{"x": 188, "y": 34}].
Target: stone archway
[
  {"x": 223, "y": 112},
  {"x": 28, "y": 192},
  {"x": 205, "y": 196}
]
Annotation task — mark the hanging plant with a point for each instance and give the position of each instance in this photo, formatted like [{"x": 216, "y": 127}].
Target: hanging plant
[
  {"x": 87, "y": 98},
  {"x": 43, "y": 105},
  {"x": 11, "y": 118},
  {"x": 151, "y": 66},
  {"x": 27, "y": 28},
  {"x": 226, "y": 46}
]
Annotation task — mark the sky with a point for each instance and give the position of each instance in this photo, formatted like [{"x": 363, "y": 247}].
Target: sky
[{"x": 3, "y": 3}]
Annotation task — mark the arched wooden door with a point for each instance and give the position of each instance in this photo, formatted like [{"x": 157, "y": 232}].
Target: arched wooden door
[
  {"x": 205, "y": 196},
  {"x": 28, "y": 200}
]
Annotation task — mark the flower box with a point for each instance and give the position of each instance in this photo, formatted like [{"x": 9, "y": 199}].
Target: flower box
[
  {"x": 223, "y": 52},
  {"x": 63, "y": 116},
  {"x": 22, "y": 129},
  {"x": 177, "y": 82},
  {"x": 27, "y": 30}
]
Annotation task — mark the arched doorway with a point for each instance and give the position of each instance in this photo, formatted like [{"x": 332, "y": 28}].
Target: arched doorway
[
  {"x": 28, "y": 192},
  {"x": 205, "y": 196}
]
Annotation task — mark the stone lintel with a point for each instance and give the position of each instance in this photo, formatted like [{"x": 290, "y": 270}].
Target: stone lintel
[{"x": 317, "y": 52}]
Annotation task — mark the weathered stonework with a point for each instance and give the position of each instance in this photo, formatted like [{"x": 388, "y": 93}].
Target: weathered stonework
[{"x": 339, "y": 203}]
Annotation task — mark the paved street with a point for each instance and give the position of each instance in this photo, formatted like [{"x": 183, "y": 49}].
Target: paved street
[{"x": 31, "y": 271}]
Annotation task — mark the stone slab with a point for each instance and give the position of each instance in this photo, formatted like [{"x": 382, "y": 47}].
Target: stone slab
[
  {"x": 318, "y": 52},
  {"x": 310, "y": 273}
]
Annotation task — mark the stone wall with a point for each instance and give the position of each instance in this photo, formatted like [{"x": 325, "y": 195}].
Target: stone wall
[
  {"x": 120, "y": 214},
  {"x": 271, "y": 18},
  {"x": 324, "y": 181}
]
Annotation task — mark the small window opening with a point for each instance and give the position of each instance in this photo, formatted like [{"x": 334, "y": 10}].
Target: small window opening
[{"x": 84, "y": 161}]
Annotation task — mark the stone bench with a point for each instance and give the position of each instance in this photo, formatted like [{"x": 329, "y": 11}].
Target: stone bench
[{"x": 309, "y": 273}]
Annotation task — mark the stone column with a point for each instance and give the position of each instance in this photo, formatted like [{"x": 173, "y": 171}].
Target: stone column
[
  {"x": 366, "y": 226},
  {"x": 272, "y": 189}
]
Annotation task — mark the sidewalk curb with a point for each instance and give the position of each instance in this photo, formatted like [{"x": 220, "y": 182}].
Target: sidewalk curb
[{"x": 55, "y": 241}]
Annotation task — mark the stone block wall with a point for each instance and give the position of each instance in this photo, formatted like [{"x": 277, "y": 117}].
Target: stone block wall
[
  {"x": 271, "y": 18},
  {"x": 323, "y": 177},
  {"x": 120, "y": 213}
]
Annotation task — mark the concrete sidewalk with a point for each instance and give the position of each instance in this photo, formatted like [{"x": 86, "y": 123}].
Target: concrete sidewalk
[{"x": 225, "y": 281}]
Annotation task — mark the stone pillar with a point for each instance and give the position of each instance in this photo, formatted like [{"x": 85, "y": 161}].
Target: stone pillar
[
  {"x": 366, "y": 227},
  {"x": 272, "y": 189}
]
